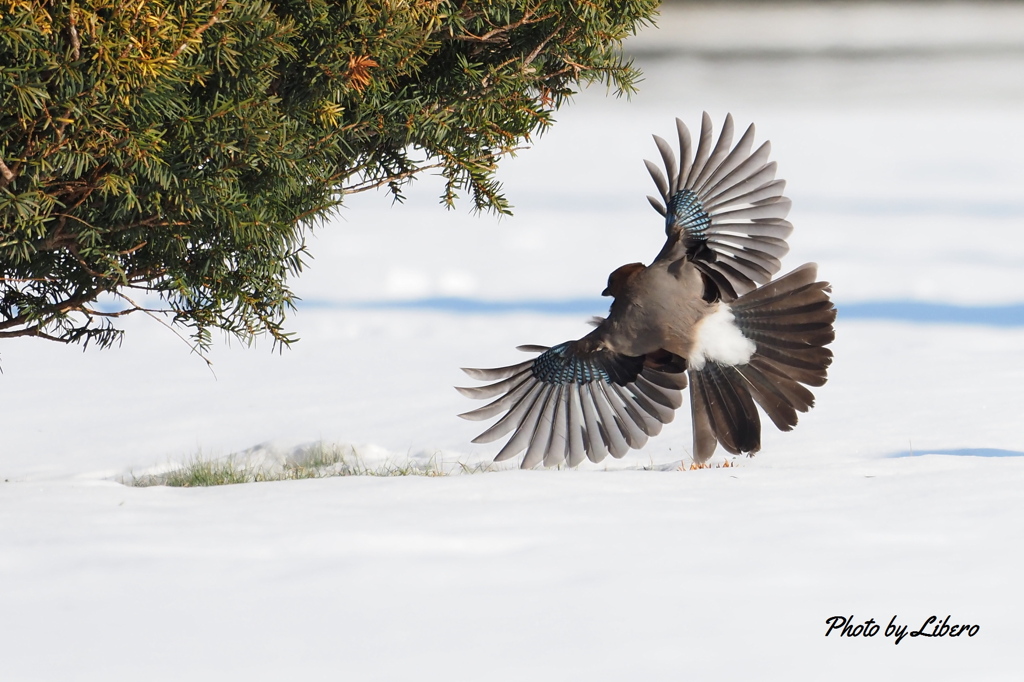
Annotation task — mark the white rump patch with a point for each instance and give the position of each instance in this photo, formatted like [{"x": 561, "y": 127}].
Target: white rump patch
[{"x": 720, "y": 340}]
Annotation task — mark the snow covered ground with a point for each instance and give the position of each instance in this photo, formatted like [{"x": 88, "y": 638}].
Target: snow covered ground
[{"x": 899, "y": 495}]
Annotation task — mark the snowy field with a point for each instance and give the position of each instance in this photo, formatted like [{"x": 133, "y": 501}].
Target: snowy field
[{"x": 900, "y": 495}]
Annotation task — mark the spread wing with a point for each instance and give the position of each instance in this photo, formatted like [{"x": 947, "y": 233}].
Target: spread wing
[
  {"x": 567, "y": 404},
  {"x": 724, "y": 210}
]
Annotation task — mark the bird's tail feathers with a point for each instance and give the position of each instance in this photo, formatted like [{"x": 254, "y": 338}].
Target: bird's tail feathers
[{"x": 790, "y": 322}]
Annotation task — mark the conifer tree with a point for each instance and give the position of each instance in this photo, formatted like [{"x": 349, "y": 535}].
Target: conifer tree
[{"x": 179, "y": 151}]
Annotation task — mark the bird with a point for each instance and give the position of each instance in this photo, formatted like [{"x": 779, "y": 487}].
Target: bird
[{"x": 704, "y": 314}]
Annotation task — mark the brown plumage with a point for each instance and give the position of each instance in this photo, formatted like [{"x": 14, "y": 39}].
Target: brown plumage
[{"x": 704, "y": 313}]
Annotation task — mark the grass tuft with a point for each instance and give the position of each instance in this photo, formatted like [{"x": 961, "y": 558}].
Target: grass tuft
[{"x": 319, "y": 460}]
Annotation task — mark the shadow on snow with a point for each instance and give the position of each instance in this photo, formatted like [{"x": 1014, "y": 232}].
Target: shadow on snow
[
  {"x": 900, "y": 311},
  {"x": 961, "y": 452}
]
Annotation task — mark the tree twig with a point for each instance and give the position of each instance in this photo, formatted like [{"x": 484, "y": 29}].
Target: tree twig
[
  {"x": 201, "y": 29},
  {"x": 496, "y": 34},
  {"x": 374, "y": 184},
  {"x": 537, "y": 50},
  {"x": 193, "y": 346},
  {"x": 76, "y": 44},
  {"x": 6, "y": 174}
]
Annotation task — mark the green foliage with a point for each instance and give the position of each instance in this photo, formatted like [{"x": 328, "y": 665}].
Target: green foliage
[{"x": 174, "y": 153}]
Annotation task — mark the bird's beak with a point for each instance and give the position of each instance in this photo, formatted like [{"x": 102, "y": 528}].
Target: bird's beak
[{"x": 606, "y": 292}]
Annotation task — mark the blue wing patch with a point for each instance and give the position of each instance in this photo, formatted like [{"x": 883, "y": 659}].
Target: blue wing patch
[
  {"x": 687, "y": 213},
  {"x": 562, "y": 364}
]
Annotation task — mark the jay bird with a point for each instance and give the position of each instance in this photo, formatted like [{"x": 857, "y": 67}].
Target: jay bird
[{"x": 705, "y": 313}]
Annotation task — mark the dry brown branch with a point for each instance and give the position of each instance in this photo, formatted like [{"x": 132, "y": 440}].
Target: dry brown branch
[{"x": 358, "y": 73}]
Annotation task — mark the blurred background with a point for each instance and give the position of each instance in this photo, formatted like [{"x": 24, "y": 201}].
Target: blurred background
[{"x": 897, "y": 125}]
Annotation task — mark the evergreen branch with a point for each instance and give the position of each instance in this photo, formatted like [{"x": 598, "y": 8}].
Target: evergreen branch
[
  {"x": 138, "y": 169},
  {"x": 35, "y": 332},
  {"x": 59, "y": 309},
  {"x": 367, "y": 185},
  {"x": 448, "y": 162}
]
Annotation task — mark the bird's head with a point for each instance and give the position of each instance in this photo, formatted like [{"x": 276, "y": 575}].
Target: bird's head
[{"x": 618, "y": 280}]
